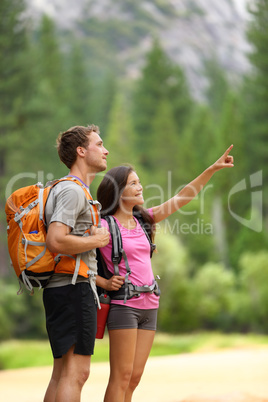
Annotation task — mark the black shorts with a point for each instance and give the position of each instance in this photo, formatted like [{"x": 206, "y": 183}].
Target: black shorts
[
  {"x": 122, "y": 317},
  {"x": 71, "y": 318}
]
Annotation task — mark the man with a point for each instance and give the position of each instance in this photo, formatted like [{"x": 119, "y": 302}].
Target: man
[{"x": 71, "y": 307}]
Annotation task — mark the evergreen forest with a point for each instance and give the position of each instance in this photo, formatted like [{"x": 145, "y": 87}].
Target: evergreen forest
[{"x": 212, "y": 255}]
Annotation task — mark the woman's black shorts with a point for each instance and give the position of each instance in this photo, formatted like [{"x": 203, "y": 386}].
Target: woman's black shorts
[{"x": 71, "y": 318}]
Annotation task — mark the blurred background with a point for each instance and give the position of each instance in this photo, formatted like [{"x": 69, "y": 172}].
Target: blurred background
[{"x": 171, "y": 84}]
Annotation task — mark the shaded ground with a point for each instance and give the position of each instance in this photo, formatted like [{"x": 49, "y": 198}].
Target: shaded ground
[{"x": 226, "y": 376}]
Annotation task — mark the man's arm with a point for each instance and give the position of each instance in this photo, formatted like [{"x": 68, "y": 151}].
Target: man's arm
[{"x": 60, "y": 241}]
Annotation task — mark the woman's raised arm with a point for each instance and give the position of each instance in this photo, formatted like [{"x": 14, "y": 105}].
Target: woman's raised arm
[{"x": 191, "y": 190}]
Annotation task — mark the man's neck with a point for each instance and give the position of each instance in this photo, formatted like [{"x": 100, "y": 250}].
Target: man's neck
[{"x": 85, "y": 177}]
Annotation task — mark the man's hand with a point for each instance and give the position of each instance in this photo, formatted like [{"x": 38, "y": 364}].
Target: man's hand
[{"x": 102, "y": 236}]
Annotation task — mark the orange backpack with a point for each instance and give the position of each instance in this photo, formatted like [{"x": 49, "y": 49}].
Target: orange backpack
[{"x": 26, "y": 232}]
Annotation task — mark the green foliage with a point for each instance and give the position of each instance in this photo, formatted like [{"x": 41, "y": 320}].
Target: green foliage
[
  {"x": 170, "y": 257},
  {"x": 19, "y": 354},
  {"x": 197, "y": 232},
  {"x": 254, "y": 284},
  {"x": 214, "y": 287},
  {"x": 164, "y": 145},
  {"x": 20, "y": 315},
  {"x": 246, "y": 239},
  {"x": 80, "y": 88},
  {"x": 50, "y": 60},
  {"x": 103, "y": 40},
  {"x": 194, "y": 158},
  {"x": 177, "y": 304},
  {"x": 51, "y": 80},
  {"x": 213, "y": 297},
  {"x": 218, "y": 86},
  {"x": 119, "y": 136},
  {"x": 120, "y": 133},
  {"x": 103, "y": 93},
  {"x": 256, "y": 91},
  {"x": 14, "y": 78},
  {"x": 160, "y": 81}
]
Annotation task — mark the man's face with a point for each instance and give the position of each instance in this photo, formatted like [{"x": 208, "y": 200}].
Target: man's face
[{"x": 96, "y": 154}]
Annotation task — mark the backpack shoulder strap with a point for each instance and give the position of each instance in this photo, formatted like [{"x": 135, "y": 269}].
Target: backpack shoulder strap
[
  {"x": 94, "y": 210},
  {"x": 117, "y": 251},
  {"x": 94, "y": 205},
  {"x": 117, "y": 245},
  {"x": 142, "y": 223}
]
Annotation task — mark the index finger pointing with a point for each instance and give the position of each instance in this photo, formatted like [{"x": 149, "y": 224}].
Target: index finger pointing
[{"x": 228, "y": 150}]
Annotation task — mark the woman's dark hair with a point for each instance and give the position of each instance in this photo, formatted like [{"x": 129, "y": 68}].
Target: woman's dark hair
[{"x": 109, "y": 193}]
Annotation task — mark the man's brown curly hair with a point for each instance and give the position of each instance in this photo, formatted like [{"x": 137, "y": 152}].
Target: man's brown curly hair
[{"x": 67, "y": 142}]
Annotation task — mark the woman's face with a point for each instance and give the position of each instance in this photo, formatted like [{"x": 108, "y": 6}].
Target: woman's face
[{"x": 132, "y": 194}]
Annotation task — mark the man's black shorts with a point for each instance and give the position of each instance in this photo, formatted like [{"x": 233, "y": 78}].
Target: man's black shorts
[{"x": 71, "y": 318}]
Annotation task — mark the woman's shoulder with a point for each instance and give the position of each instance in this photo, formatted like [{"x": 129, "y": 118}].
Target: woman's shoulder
[
  {"x": 150, "y": 212},
  {"x": 104, "y": 223}
]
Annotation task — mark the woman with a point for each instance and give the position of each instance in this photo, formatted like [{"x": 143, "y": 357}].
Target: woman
[{"x": 132, "y": 323}]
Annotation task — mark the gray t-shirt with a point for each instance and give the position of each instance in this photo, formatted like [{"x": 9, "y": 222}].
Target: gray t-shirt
[{"x": 67, "y": 204}]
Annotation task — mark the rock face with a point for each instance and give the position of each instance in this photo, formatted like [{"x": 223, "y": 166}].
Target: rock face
[{"x": 190, "y": 31}]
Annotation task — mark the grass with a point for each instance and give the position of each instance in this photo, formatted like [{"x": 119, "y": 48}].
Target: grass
[
  {"x": 204, "y": 342},
  {"x": 19, "y": 354}
]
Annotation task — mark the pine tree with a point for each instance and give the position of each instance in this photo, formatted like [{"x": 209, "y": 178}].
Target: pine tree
[
  {"x": 79, "y": 88},
  {"x": 257, "y": 93},
  {"x": 161, "y": 80},
  {"x": 51, "y": 63},
  {"x": 14, "y": 93},
  {"x": 14, "y": 77},
  {"x": 48, "y": 110},
  {"x": 120, "y": 137},
  {"x": 225, "y": 107},
  {"x": 218, "y": 86},
  {"x": 162, "y": 154},
  {"x": 104, "y": 90},
  {"x": 195, "y": 153}
]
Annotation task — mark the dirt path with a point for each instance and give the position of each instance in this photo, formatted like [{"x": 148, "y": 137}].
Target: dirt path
[{"x": 227, "y": 376}]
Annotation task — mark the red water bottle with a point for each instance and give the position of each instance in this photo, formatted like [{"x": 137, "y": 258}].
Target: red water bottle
[{"x": 102, "y": 314}]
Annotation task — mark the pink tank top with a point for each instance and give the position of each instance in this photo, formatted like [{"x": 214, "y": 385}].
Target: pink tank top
[{"x": 137, "y": 248}]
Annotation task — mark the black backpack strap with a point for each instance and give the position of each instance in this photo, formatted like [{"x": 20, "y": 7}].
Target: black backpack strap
[
  {"x": 142, "y": 223},
  {"x": 128, "y": 290},
  {"x": 117, "y": 250},
  {"x": 116, "y": 242}
]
